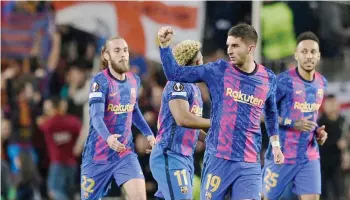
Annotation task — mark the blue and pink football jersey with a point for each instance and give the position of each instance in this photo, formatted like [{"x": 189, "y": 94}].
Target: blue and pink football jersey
[
  {"x": 296, "y": 99},
  {"x": 170, "y": 136},
  {"x": 238, "y": 101},
  {"x": 121, "y": 111}
]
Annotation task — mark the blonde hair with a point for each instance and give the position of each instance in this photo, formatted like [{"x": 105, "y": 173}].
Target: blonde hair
[
  {"x": 103, "y": 61},
  {"x": 186, "y": 51}
]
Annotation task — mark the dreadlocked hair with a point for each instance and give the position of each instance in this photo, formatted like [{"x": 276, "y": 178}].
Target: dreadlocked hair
[
  {"x": 186, "y": 51},
  {"x": 103, "y": 61}
]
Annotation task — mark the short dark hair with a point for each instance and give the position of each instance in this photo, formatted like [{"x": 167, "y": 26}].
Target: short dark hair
[
  {"x": 307, "y": 36},
  {"x": 244, "y": 31}
]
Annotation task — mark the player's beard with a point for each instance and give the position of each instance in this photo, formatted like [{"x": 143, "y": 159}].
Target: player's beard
[
  {"x": 120, "y": 67},
  {"x": 309, "y": 66}
]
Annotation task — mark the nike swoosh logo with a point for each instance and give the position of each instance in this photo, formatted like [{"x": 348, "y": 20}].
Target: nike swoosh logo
[
  {"x": 298, "y": 92},
  {"x": 112, "y": 94}
]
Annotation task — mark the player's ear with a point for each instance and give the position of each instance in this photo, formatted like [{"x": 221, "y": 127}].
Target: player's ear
[
  {"x": 295, "y": 55},
  {"x": 251, "y": 49},
  {"x": 106, "y": 56}
]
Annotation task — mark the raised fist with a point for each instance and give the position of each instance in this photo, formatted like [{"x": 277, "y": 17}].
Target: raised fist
[{"x": 165, "y": 35}]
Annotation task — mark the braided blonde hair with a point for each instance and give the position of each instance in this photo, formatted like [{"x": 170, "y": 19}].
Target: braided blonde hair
[{"x": 186, "y": 51}]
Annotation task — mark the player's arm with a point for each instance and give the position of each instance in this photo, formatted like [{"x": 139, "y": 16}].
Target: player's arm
[
  {"x": 97, "y": 114},
  {"x": 180, "y": 109},
  {"x": 281, "y": 91},
  {"x": 202, "y": 136},
  {"x": 175, "y": 72},
  {"x": 97, "y": 98},
  {"x": 137, "y": 118},
  {"x": 179, "y": 95},
  {"x": 270, "y": 110},
  {"x": 271, "y": 122},
  {"x": 139, "y": 121}
]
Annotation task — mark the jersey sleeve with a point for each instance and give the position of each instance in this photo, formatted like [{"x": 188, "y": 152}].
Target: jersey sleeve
[
  {"x": 271, "y": 114},
  {"x": 282, "y": 84},
  {"x": 175, "y": 72},
  {"x": 325, "y": 83},
  {"x": 177, "y": 90},
  {"x": 98, "y": 90},
  {"x": 137, "y": 118}
]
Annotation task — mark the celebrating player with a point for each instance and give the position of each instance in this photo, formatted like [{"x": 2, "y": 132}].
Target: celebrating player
[
  {"x": 109, "y": 149},
  {"x": 299, "y": 97},
  {"x": 172, "y": 158},
  {"x": 241, "y": 91}
]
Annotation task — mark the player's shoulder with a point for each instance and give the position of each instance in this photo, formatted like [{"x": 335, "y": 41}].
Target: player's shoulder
[
  {"x": 284, "y": 76},
  {"x": 99, "y": 77},
  {"x": 320, "y": 77},
  {"x": 178, "y": 86},
  {"x": 133, "y": 75},
  {"x": 271, "y": 75},
  {"x": 220, "y": 63}
]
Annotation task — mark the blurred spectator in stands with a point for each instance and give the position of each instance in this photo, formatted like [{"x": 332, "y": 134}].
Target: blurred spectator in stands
[
  {"x": 23, "y": 100},
  {"x": 74, "y": 89},
  {"x": 278, "y": 42},
  {"x": 78, "y": 46},
  {"x": 221, "y": 16},
  {"x": 331, "y": 150},
  {"x": 344, "y": 145},
  {"x": 61, "y": 132},
  {"x": 304, "y": 16},
  {"x": 334, "y": 29},
  {"x": 138, "y": 65},
  {"x": 27, "y": 181},
  {"x": 8, "y": 190}
]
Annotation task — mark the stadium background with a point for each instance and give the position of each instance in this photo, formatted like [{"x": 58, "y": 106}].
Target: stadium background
[{"x": 52, "y": 49}]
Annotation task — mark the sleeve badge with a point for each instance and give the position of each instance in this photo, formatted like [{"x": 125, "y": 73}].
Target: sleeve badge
[
  {"x": 178, "y": 87},
  {"x": 94, "y": 87}
]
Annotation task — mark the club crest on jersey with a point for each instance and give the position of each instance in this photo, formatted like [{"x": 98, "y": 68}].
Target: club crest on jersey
[
  {"x": 184, "y": 190},
  {"x": 86, "y": 195},
  {"x": 133, "y": 92},
  {"x": 178, "y": 87},
  {"x": 320, "y": 92},
  {"x": 207, "y": 196},
  {"x": 94, "y": 87}
]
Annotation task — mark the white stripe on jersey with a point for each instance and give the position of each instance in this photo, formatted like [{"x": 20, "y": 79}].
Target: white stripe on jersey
[
  {"x": 95, "y": 94},
  {"x": 179, "y": 93}
]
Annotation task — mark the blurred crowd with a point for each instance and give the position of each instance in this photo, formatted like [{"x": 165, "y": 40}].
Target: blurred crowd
[{"x": 45, "y": 76}]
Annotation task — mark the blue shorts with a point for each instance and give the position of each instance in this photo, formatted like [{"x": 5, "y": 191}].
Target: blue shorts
[
  {"x": 174, "y": 174},
  {"x": 96, "y": 178},
  {"x": 305, "y": 177},
  {"x": 220, "y": 176}
]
